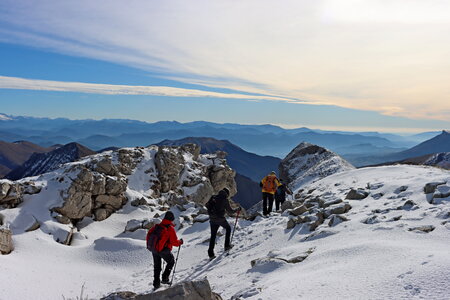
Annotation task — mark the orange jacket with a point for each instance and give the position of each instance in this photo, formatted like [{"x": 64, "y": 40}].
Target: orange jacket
[{"x": 270, "y": 184}]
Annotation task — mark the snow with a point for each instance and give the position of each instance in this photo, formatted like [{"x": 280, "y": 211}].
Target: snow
[{"x": 352, "y": 260}]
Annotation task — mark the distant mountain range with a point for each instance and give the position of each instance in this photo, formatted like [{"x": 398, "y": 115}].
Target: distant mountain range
[
  {"x": 40, "y": 163},
  {"x": 258, "y": 139},
  {"x": 13, "y": 155}
]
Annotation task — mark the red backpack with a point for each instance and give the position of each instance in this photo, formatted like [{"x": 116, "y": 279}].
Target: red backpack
[{"x": 157, "y": 238}]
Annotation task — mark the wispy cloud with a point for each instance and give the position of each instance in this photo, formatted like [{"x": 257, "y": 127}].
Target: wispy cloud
[
  {"x": 385, "y": 56},
  {"x": 112, "y": 89}
]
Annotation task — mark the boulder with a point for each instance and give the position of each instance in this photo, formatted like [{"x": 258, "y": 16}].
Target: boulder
[
  {"x": 331, "y": 202},
  {"x": 188, "y": 290},
  {"x": 201, "y": 218},
  {"x": 298, "y": 210},
  {"x": 202, "y": 194},
  {"x": 401, "y": 189},
  {"x": 115, "y": 202},
  {"x": 221, "y": 177},
  {"x": 128, "y": 160},
  {"x": 133, "y": 225},
  {"x": 13, "y": 197},
  {"x": 336, "y": 219},
  {"x": 105, "y": 166},
  {"x": 288, "y": 204},
  {"x": 30, "y": 188},
  {"x": 194, "y": 149},
  {"x": 76, "y": 205},
  {"x": 316, "y": 223},
  {"x": 357, "y": 194},
  {"x": 99, "y": 185},
  {"x": 6, "y": 243},
  {"x": 337, "y": 209},
  {"x": 442, "y": 191},
  {"x": 101, "y": 214},
  {"x": 34, "y": 226},
  {"x": 423, "y": 228},
  {"x": 431, "y": 187},
  {"x": 138, "y": 202},
  {"x": 291, "y": 223},
  {"x": 115, "y": 185}
]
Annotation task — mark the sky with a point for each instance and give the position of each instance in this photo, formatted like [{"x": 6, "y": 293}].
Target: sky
[{"x": 330, "y": 64}]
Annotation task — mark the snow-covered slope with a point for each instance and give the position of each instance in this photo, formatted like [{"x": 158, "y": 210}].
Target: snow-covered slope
[
  {"x": 381, "y": 252},
  {"x": 307, "y": 163}
]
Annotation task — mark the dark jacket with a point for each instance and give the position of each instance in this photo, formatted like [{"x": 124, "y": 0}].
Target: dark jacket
[
  {"x": 221, "y": 204},
  {"x": 281, "y": 192}
]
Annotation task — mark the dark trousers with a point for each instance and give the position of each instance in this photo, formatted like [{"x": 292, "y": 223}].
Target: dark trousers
[
  {"x": 215, "y": 224},
  {"x": 267, "y": 209},
  {"x": 279, "y": 201},
  {"x": 170, "y": 261}
]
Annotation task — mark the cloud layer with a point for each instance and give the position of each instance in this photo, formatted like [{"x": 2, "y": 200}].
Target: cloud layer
[
  {"x": 113, "y": 89},
  {"x": 385, "y": 56}
]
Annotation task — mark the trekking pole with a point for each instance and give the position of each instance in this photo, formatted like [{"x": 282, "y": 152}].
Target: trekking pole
[
  {"x": 234, "y": 229},
  {"x": 174, "y": 267}
]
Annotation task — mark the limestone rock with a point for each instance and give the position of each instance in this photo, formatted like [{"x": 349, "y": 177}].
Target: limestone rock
[
  {"x": 169, "y": 163},
  {"x": 6, "y": 243},
  {"x": 30, "y": 188},
  {"x": 115, "y": 185},
  {"x": 101, "y": 214},
  {"x": 133, "y": 225},
  {"x": 288, "y": 204},
  {"x": 336, "y": 219},
  {"x": 431, "y": 187},
  {"x": 424, "y": 228},
  {"x": 10, "y": 194},
  {"x": 105, "y": 166},
  {"x": 138, "y": 202},
  {"x": 357, "y": 194},
  {"x": 298, "y": 210},
  {"x": 337, "y": 209},
  {"x": 99, "y": 185},
  {"x": 188, "y": 290},
  {"x": 115, "y": 202},
  {"x": 221, "y": 177}
]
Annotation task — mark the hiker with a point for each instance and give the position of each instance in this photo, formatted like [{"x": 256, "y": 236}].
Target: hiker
[
  {"x": 216, "y": 206},
  {"x": 269, "y": 185},
  {"x": 164, "y": 239},
  {"x": 280, "y": 195}
]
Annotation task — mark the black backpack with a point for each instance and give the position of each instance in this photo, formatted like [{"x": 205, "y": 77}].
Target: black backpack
[
  {"x": 211, "y": 205},
  {"x": 154, "y": 237}
]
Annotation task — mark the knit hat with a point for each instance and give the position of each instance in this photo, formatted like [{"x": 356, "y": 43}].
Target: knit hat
[
  {"x": 226, "y": 191},
  {"x": 169, "y": 216}
]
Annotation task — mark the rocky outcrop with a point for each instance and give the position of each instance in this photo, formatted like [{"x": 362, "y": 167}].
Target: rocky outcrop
[
  {"x": 188, "y": 290},
  {"x": 307, "y": 163},
  {"x": 357, "y": 194},
  {"x": 10, "y": 194},
  {"x": 6, "y": 243}
]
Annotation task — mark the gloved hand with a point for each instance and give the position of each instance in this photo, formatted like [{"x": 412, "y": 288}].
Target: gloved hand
[{"x": 181, "y": 242}]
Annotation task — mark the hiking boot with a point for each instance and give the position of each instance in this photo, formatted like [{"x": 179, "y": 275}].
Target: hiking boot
[
  {"x": 156, "y": 285},
  {"x": 211, "y": 254},
  {"x": 227, "y": 248},
  {"x": 165, "y": 280}
]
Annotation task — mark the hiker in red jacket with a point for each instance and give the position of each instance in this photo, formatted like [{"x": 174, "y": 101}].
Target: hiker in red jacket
[{"x": 163, "y": 247}]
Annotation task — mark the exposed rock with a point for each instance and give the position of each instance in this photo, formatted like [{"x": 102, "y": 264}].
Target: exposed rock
[
  {"x": 358, "y": 194},
  {"x": 288, "y": 204},
  {"x": 115, "y": 185},
  {"x": 115, "y": 202},
  {"x": 203, "y": 193},
  {"x": 377, "y": 196},
  {"x": 101, "y": 214},
  {"x": 332, "y": 202},
  {"x": 188, "y": 290},
  {"x": 99, "y": 185},
  {"x": 138, "y": 202},
  {"x": 6, "y": 243},
  {"x": 147, "y": 224},
  {"x": 105, "y": 166},
  {"x": 337, "y": 209},
  {"x": 201, "y": 218},
  {"x": 64, "y": 236},
  {"x": 409, "y": 204},
  {"x": 127, "y": 295},
  {"x": 76, "y": 206},
  {"x": 221, "y": 177},
  {"x": 30, "y": 188},
  {"x": 194, "y": 149},
  {"x": 63, "y": 219},
  {"x": 316, "y": 223},
  {"x": 128, "y": 160},
  {"x": 10, "y": 194},
  {"x": 424, "y": 228},
  {"x": 431, "y": 187},
  {"x": 401, "y": 189},
  {"x": 371, "y": 220},
  {"x": 133, "y": 225},
  {"x": 291, "y": 223},
  {"x": 298, "y": 210},
  {"x": 2, "y": 219},
  {"x": 35, "y": 225},
  {"x": 169, "y": 163},
  {"x": 442, "y": 191},
  {"x": 336, "y": 219}
]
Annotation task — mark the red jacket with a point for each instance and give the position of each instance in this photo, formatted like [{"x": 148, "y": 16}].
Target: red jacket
[{"x": 169, "y": 239}]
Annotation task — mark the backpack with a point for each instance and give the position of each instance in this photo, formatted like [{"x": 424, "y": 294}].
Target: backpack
[
  {"x": 211, "y": 205},
  {"x": 269, "y": 184},
  {"x": 157, "y": 238}
]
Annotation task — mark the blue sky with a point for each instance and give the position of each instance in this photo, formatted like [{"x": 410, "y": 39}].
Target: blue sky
[{"x": 330, "y": 65}]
